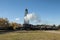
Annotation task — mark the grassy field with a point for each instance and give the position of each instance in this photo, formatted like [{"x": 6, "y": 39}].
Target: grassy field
[{"x": 29, "y": 35}]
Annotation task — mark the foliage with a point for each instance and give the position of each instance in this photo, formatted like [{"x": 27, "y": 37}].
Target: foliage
[
  {"x": 15, "y": 25},
  {"x": 4, "y": 22}
]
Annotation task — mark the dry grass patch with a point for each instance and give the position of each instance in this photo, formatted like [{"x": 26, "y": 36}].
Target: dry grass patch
[{"x": 29, "y": 35}]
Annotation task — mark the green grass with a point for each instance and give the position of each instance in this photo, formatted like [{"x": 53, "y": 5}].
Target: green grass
[{"x": 29, "y": 35}]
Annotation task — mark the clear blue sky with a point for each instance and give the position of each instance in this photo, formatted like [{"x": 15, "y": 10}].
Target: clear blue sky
[{"x": 47, "y": 10}]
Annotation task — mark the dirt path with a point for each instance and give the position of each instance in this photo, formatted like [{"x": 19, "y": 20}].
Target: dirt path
[{"x": 57, "y": 32}]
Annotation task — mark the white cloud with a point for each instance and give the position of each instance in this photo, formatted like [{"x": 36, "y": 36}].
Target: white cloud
[{"x": 17, "y": 19}]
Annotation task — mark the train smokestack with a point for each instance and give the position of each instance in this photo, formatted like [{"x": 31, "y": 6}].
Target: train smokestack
[{"x": 26, "y": 21}]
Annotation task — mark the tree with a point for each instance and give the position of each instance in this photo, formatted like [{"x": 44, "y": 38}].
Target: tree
[
  {"x": 15, "y": 25},
  {"x": 4, "y": 23}
]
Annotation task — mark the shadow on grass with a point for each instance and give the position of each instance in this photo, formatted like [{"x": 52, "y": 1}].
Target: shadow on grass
[
  {"x": 17, "y": 31},
  {"x": 5, "y": 31}
]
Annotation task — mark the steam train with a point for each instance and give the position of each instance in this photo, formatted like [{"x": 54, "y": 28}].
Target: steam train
[
  {"x": 39, "y": 27},
  {"x": 30, "y": 27}
]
